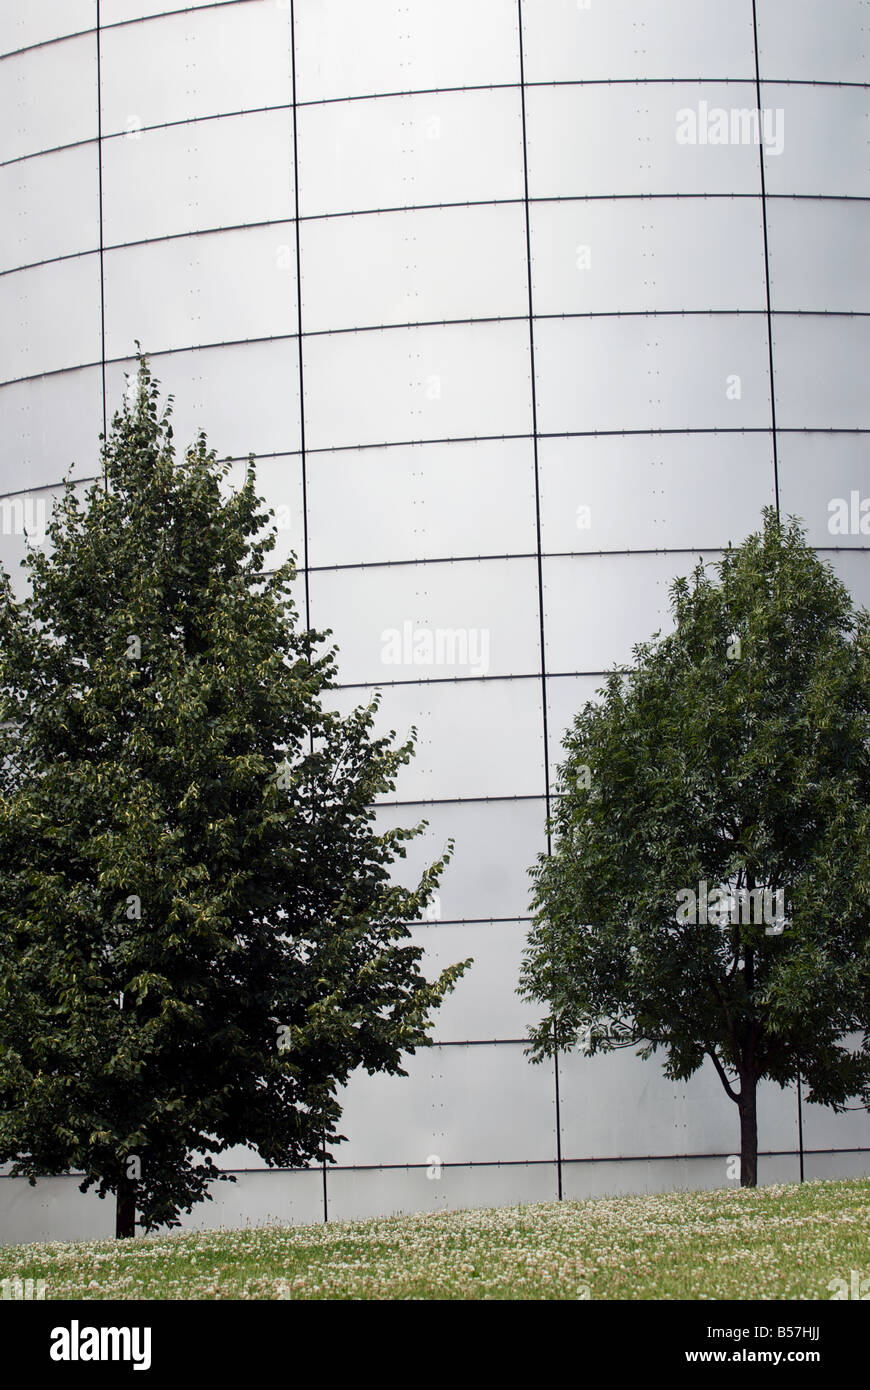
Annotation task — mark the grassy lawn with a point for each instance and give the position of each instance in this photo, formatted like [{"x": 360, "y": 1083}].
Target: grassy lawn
[{"x": 775, "y": 1242}]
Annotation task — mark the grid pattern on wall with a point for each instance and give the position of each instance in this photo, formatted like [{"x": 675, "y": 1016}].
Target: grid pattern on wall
[{"x": 516, "y": 335}]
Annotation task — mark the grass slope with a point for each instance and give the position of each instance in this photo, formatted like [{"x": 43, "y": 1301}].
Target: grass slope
[{"x": 779, "y": 1242}]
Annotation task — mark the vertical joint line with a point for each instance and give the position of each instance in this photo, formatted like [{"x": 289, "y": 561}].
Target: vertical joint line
[
  {"x": 302, "y": 443},
  {"x": 766, "y": 256},
  {"x": 531, "y": 318},
  {"x": 102, "y": 240},
  {"x": 302, "y": 449},
  {"x": 538, "y": 545}
]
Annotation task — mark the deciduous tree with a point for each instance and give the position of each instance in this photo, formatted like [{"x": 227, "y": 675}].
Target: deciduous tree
[
  {"x": 200, "y": 938},
  {"x": 728, "y": 767}
]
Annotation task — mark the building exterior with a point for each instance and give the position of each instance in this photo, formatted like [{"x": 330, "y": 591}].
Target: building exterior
[{"x": 522, "y": 305}]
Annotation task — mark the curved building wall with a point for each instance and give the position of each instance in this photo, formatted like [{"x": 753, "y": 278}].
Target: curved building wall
[{"x": 520, "y": 314}]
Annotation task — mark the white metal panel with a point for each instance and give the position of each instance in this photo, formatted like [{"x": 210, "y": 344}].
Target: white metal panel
[
  {"x": 818, "y": 255},
  {"x": 604, "y": 140},
  {"x": 495, "y": 843},
  {"x": 245, "y": 397},
  {"x": 223, "y": 173},
  {"x": 220, "y": 288},
  {"x": 51, "y": 207},
  {"x": 708, "y": 1121},
  {"x": 852, "y": 569},
  {"x": 567, "y": 41},
  {"x": 269, "y": 1197},
  {"x": 614, "y": 1106},
  {"x": 346, "y": 49},
  {"x": 806, "y": 40},
  {"x": 224, "y": 58},
  {"x": 49, "y": 425},
  {"x": 601, "y": 255},
  {"x": 52, "y": 1210},
  {"x": 585, "y": 636},
  {"x": 409, "y": 151},
  {"x": 824, "y": 147},
  {"x": 645, "y": 1114},
  {"x": 820, "y": 372},
  {"x": 279, "y": 483},
  {"x": 652, "y": 492},
  {"x": 48, "y": 97},
  {"x": 240, "y": 1158},
  {"x": 414, "y": 267},
  {"x": 13, "y": 549},
  {"x": 355, "y": 1194},
  {"x": 585, "y": 1181},
  {"x": 474, "y": 738},
  {"x": 411, "y": 384},
  {"x": 819, "y": 1166},
  {"x": 589, "y": 1180},
  {"x": 23, "y": 25},
  {"x": 824, "y": 479},
  {"x": 120, "y": 11},
  {"x": 56, "y": 1210},
  {"x": 460, "y": 499},
  {"x": 27, "y": 515},
  {"x": 389, "y": 1115},
  {"x": 430, "y": 622},
  {"x": 645, "y": 373},
  {"x": 485, "y": 1004},
  {"x": 566, "y": 697},
  {"x": 23, "y": 527},
  {"x": 452, "y": 1104},
  {"x": 51, "y": 317},
  {"x": 823, "y": 1129}
]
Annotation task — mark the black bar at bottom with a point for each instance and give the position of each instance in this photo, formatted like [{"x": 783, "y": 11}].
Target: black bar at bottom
[{"x": 225, "y": 1339}]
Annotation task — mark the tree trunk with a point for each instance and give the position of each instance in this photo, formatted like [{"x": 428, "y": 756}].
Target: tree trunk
[
  {"x": 748, "y": 1132},
  {"x": 749, "y": 1078},
  {"x": 125, "y": 1209}
]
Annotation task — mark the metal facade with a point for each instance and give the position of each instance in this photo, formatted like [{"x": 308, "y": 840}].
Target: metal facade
[{"x": 522, "y": 305}]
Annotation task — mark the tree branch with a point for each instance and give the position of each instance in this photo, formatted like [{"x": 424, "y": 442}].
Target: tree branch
[{"x": 711, "y": 1052}]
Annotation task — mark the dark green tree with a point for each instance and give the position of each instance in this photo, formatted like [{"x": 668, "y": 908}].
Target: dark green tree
[
  {"x": 709, "y": 889},
  {"x": 199, "y": 935}
]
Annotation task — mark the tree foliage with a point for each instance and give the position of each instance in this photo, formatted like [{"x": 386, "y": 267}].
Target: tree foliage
[
  {"x": 199, "y": 935},
  {"x": 734, "y": 752}
]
